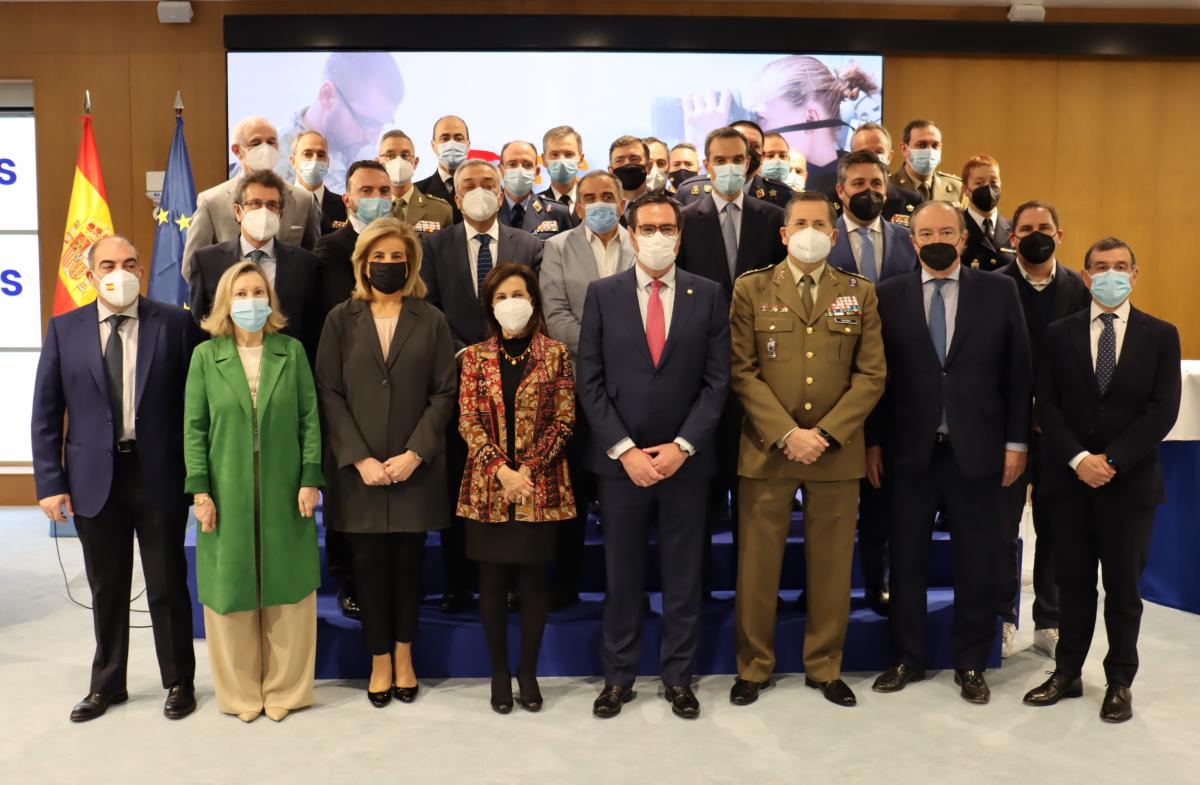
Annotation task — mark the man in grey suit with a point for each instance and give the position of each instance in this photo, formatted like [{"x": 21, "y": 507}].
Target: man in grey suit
[
  {"x": 256, "y": 145},
  {"x": 597, "y": 248}
]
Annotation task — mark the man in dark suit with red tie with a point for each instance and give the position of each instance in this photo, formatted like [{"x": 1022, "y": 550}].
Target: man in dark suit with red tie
[
  {"x": 653, "y": 378},
  {"x": 1104, "y": 404}
]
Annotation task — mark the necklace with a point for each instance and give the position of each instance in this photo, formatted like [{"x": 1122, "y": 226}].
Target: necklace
[{"x": 514, "y": 360}]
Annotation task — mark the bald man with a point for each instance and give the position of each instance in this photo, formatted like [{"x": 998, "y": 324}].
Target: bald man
[{"x": 451, "y": 144}]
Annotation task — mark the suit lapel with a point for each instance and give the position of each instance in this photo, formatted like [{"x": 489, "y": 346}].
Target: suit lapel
[
  {"x": 365, "y": 332},
  {"x": 1062, "y": 291},
  {"x": 148, "y": 327},
  {"x": 750, "y": 228},
  {"x": 625, "y": 261},
  {"x": 1081, "y": 340},
  {"x": 632, "y": 314},
  {"x": 274, "y": 358},
  {"x": 404, "y": 328},
  {"x": 537, "y": 354},
  {"x": 1131, "y": 346},
  {"x": 89, "y": 318},
  {"x": 710, "y": 224},
  {"x": 229, "y": 365},
  {"x": 464, "y": 271},
  {"x": 681, "y": 313},
  {"x": 965, "y": 313},
  {"x": 581, "y": 252}
]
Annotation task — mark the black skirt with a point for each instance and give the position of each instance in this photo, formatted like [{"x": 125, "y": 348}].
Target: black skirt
[{"x": 514, "y": 542}]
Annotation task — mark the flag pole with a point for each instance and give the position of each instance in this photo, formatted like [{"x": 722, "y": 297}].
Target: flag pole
[{"x": 87, "y": 102}]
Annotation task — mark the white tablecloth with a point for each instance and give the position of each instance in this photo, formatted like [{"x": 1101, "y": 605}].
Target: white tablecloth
[{"x": 1187, "y": 427}]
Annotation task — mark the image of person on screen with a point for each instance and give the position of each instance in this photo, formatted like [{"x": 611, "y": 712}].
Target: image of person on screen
[
  {"x": 801, "y": 98},
  {"x": 357, "y": 99}
]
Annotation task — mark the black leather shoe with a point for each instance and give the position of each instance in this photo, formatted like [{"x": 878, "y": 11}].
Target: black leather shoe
[
  {"x": 1057, "y": 687},
  {"x": 683, "y": 702},
  {"x": 744, "y": 692},
  {"x": 502, "y": 697},
  {"x": 379, "y": 699},
  {"x": 897, "y": 678},
  {"x": 348, "y": 605},
  {"x": 181, "y": 701},
  {"x": 1118, "y": 704},
  {"x": 453, "y": 602},
  {"x": 95, "y": 705},
  {"x": 512, "y": 601},
  {"x": 611, "y": 698},
  {"x": 879, "y": 601},
  {"x": 406, "y": 694},
  {"x": 836, "y": 691},
  {"x": 974, "y": 687}
]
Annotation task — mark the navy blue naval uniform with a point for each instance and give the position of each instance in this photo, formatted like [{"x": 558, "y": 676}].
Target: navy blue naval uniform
[{"x": 543, "y": 218}]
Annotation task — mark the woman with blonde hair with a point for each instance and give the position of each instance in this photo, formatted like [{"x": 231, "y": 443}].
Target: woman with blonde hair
[
  {"x": 252, "y": 449},
  {"x": 386, "y": 376}
]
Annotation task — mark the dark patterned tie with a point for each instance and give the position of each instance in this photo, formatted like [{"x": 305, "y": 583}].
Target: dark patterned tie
[
  {"x": 257, "y": 255},
  {"x": 483, "y": 262},
  {"x": 987, "y": 228},
  {"x": 1106, "y": 353},
  {"x": 518, "y": 216},
  {"x": 114, "y": 367}
]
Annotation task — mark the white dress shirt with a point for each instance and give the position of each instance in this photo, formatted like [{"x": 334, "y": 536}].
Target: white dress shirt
[
  {"x": 129, "y": 344},
  {"x": 978, "y": 218},
  {"x": 667, "y": 295},
  {"x": 268, "y": 261},
  {"x": 736, "y": 216},
  {"x": 1038, "y": 286},
  {"x": 572, "y": 194},
  {"x": 473, "y": 249},
  {"x": 608, "y": 257},
  {"x": 1096, "y": 326},
  {"x": 875, "y": 228}
]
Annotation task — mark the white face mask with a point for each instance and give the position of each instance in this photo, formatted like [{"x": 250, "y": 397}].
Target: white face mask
[
  {"x": 400, "y": 170},
  {"x": 809, "y": 245},
  {"x": 480, "y": 204},
  {"x": 656, "y": 252},
  {"x": 513, "y": 314},
  {"x": 119, "y": 288},
  {"x": 260, "y": 224},
  {"x": 260, "y": 158},
  {"x": 656, "y": 180}
]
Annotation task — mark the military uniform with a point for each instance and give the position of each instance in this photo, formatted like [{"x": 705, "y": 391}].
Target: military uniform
[
  {"x": 693, "y": 188},
  {"x": 941, "y": 186},
  {"x": 424, "y": 213},
  {"x": 789, "y": 371},
  {"x": 988, "y": 252}
]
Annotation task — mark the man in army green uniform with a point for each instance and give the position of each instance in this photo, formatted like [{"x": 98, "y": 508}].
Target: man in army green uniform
[
  {"x": 921, "y": 146},
  {"x": 808, "y": 367}
]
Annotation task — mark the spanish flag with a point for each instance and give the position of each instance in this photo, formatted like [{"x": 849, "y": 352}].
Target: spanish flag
[{"x": 88, "y": 219}]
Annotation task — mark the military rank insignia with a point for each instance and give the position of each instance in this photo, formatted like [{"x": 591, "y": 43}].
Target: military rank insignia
[
  {"x": 760, "y": 193},
  {"x": 537, "y": 207},
  {"x": 546, "y": 226},
  {"x": 708, "y": 189},
  {"x": 773, "y": 308},
  {"x": 853, "y": 281},
  {"x": 845, "y": 306},
  {"x": 427, "y": 226},
  {"x": 695, "y": 190},
  {"x": 901, "y": 220}
]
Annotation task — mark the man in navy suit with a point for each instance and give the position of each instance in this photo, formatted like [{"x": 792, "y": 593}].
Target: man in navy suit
[
  {"x": 291, "y": 270},
  {"x": 951, "y": 432},
  {"x": 115, "y": 369},
  {"x": 653, "y": 375},
  {"x": 451, "y": 143},
  {"x": 877, "y": 249},
  {"x": 520, "y": 208},
  {"x": 456, "y": 261},
  {"x": 310, "y": 162},
  {"x": 1104, "y": 404}
]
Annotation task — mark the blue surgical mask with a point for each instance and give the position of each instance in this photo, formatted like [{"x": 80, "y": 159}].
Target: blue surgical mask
[
  {"x": 1111, "y": 288},
  {"x": 451, "y": 154},
  {"x": 563, "y": 170},
  {"x": 925, "y": 159},
  {"x": 729, "y": 178},
  {"x": 312, "y": 172},
  {"x": 250, "y": 313},
  {"x": 600, "y": 217},
  {"x": 519, "y": 181},
  {"x": 372, "y": 207},
  {"x": 775, "y": 169}
]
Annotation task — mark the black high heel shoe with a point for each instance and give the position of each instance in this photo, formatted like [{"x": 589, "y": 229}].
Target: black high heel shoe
[
  {"x": 406, "y": 694},
  {"x": 530, "y": 697},
  {"x": 379, "y": 699},
  {"x": 502, "y": 697}
]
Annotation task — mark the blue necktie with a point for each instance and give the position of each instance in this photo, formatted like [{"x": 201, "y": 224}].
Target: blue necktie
[
  {"x": 729, "y": 234},
  {"x": 257, "y": 255},
  {"x": 483, "y": 262},
  {"x": 937, "y": 319},
  {"x": 866, "y": 255},
  {"x": 1106, "y": 353}
]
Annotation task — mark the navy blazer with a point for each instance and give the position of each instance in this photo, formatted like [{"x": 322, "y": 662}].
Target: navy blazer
[
  {"x": 703, "y": 249},
  {"x": 1126, "y": 423},
  {"x": 446, "y": 269},
  {"x": 985, "y": 386},
  {"x": 982, "y": 252},
  {"x": 539, "y": 214},
  {"x": 295, "y": 286},
  {"x": 77, "y": 457},
  {"x": 899, "y": 256},
  {"x": 625, "y": 395},
  {"x": 333, "y": 210}
]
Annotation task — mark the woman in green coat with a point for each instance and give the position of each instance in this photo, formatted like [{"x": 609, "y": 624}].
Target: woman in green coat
[{"x": 252, "y": 448}]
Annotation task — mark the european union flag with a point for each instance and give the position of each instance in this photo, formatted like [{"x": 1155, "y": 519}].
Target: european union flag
[{"x": 173, "y": 216}]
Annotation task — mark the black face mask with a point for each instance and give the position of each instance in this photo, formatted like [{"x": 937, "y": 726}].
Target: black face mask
[
  {"x": 754, "y": 163},
  {"x": 1036, "y": 248},
  {"x": 632, "y": 176},
  {"x": 866, "y": 205},
  {"x": 938, "y": 256},
  {"x": 679, "y": 175},
  {"x": 985, "y": 198},
  {"x": 388, "y": 277}
]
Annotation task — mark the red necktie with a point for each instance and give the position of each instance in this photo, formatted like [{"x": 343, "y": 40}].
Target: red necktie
[{"x": 656, "y": 323}]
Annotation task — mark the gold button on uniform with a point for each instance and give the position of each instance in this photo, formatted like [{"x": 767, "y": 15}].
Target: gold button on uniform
[
  {"x": 809, "y": 355},
  {"x": 808, "y": 380},
  {"x": 847, "y": 329},
  {"x": 772, "y": 327},
  {"x": 808, "y": 330},
  {"x": 807, "y": 406}
]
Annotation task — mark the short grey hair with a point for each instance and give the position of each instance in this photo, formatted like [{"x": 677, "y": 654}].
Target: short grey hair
[
  {"x": 239, "y": 130},
  {"x": 471, "y": 163},
  {"x": 594, "y": 173},
  {"x": 91, "y": 251},
  {"x": 873, "y": 127},
  {"x": 302, "y": 134}
]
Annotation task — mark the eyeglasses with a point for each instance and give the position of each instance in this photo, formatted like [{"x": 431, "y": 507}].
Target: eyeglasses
[
  {"x": 254, "y": 204},
  {"x": 365, "y": 123},
  {"x": 648, "y": 230}
]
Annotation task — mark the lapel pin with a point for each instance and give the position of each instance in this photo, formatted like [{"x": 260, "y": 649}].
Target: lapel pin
[{"x": 689, "y": 291}]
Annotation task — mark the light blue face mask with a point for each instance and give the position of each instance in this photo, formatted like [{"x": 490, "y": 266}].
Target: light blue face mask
[
  {"x": 600, "y": 217},
  {"x": 924, "y": 160},
  {"x": 776, "y": 169},
  {"x": 250, "y": 313},
  {"x": 563, "y": 170},
  {"x": 519, "y": 181},
  {"x": 1111, "y": 288},
  {"x": 372, "y": 207},
  {"x": 312, "y": 172},
  {"x": 451, "y": 154},
  {"x": 729, "y": 178}
]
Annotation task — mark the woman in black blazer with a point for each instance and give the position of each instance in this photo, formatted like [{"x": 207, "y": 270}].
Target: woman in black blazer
[{"x": 387, "y": 382}]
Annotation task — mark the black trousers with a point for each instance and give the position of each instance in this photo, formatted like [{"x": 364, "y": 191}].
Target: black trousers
[
  {"x": 387, "y": 569},
  {"x": 1101, "y": 528},
  {"x": 974, "y": 508},
  {"x": 107, "y": 541},
  {"x": 461, "y": 573},
  {"x": 1045, "y": 584},
  {"x": 873, "y": 534},
  {"x": 677, "y": 507},
  {"x": 569, "y": 549}
]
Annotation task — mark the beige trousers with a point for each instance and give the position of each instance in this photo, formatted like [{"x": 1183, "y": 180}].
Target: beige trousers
[{"x": 263, "y": 658}]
